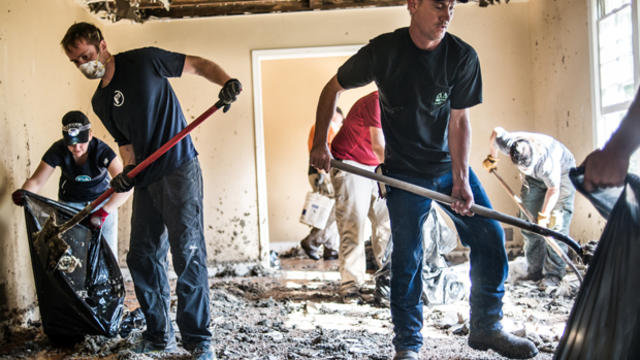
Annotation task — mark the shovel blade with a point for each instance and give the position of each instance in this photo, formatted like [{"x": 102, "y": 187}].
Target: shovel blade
[{"x": 49, "y": 244}]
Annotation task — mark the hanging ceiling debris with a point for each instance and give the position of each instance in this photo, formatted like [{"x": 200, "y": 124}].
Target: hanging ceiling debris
[{"x": 143, "y": 10}]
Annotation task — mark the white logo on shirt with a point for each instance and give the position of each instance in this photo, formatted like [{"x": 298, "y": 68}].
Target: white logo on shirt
[{"x": 118, "y": 98}]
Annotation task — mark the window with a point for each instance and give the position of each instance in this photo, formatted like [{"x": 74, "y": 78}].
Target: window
[{"x": 617, "y": 65}]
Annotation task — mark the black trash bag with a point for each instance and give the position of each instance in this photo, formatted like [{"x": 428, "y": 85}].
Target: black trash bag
[
  {"x": 86, "y": 301},
  {"x": 605, "y": 320},
  {"x": 603, "y": 199}
]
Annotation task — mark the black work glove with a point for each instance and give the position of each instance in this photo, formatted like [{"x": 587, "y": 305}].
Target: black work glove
[
  {"x": 122, "y": 182},
  {"x": 229, "y": 92},
  {"x": 18, "y": 197}
]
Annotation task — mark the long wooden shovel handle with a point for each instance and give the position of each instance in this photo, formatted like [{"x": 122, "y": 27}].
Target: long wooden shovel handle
[
  {"x": 143, "y": 165},
  {"x": 448, "y": 200}
]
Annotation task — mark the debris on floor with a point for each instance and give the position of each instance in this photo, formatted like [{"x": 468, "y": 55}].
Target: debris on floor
[{"x": 296, "y": 313}]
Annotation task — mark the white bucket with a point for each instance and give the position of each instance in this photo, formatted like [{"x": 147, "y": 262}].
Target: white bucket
[{"x": 316, "y": 210}]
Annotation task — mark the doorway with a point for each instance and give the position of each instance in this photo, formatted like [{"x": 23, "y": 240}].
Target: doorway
[{"x": 287, "y": 84}]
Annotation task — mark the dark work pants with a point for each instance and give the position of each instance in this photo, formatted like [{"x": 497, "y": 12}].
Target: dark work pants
[
  {"x": 488, "y": 269},
  {"x": 167, "y": 214}
]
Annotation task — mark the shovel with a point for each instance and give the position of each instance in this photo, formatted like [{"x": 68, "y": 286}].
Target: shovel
[
  {"x": 50, "y": 234},
  {"x": 448, "y": 200},
  {"x": 550, "y": 241}
]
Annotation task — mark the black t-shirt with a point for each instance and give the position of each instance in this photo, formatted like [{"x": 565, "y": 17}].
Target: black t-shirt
[
  {"x": 418, "y": 89},
  {"x": 81, "y": 183},
  {"x": 139, "y": 107}
]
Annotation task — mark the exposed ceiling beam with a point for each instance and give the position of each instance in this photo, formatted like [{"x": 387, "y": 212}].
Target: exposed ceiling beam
[
  {"x": 141, "y": 10},
  {"x": 192, "y": 8}
]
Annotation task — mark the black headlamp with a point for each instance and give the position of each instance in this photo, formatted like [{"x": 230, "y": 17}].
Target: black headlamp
[{"x": 74, "y": 133}]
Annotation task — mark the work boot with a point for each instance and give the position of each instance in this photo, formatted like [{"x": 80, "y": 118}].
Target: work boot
[
  {"x": 349, "y": 293},
  {"x": 406, "y": 355},
  {"x": 503, "y": 343},
  {"x": 549, "y": 281},
  {"x": 144, "y": 346},
  {"x": 330, "y": 254},
  {"x": 532, "y": 276},
  {"x": 203, "y": 351},
  {"x": 305, "y": 244}
]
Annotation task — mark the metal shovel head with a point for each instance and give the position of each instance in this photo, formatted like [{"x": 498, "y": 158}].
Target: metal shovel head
[{"x": 50, "y": 247}]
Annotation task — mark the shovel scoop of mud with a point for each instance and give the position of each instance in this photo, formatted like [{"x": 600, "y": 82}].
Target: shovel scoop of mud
[{"x": 52, "y": 248}]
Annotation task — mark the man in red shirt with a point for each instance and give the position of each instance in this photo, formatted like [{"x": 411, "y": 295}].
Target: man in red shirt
[{"x": 359, "y": 142}]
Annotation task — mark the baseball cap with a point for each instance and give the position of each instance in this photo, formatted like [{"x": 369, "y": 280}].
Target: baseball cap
[{"x": 75, "y": 127}]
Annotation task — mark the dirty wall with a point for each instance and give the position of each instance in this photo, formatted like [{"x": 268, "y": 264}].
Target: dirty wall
[
  {"x": 38, "y": 85},
  {"x": 561, "y": 82}
]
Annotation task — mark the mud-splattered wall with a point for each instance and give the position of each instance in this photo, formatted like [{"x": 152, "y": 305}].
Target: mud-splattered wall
[
  {"x": 562, "y": 89},
  {"x": 38, "y": 85}
]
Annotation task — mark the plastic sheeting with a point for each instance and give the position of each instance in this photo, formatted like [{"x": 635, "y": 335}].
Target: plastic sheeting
[
  {"x": 605, "y": 320},
  {"x": 440, "y": 284},
  {"x": 86, "y": 301}
]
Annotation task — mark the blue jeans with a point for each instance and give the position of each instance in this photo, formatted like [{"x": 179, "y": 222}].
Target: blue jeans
[
  {"x": 167, "y": 214},
  {"x": 489, "y": 266},
  {"x": 109, "y": 228},
  {"x": 540, "y": 257}
]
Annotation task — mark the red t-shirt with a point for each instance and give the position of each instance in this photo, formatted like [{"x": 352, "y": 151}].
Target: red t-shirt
[{"x": 353, "y": 141}]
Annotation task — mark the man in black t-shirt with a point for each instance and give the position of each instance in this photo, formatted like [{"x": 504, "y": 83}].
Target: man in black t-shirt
[
  {"x": 137, "y": 105},
  {"x": 427, "y": 80}
]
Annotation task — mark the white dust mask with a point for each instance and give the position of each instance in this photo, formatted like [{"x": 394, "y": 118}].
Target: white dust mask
[{"x": 93, "y": 69}]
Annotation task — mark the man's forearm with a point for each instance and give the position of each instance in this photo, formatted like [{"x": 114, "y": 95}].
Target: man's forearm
[
  {"x": 459, "y": 146},
  {"x": 550, "y": 200},
  {"x": 127, "y": 154},
  {"x": 324, "y": 114},
  {"x": 205, "y": 68}
]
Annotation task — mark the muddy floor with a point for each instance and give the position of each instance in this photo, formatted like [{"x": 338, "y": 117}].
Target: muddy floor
[{"x": 295, "y": 313}]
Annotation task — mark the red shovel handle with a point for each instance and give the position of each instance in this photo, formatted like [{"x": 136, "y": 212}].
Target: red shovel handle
[{"x": 163, "y": 149}]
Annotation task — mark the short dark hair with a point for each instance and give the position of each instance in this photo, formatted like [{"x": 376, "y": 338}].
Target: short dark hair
[
  {"x": 82, "y": 30},
  {"x": 339, "y": 111},
  {"x": 75, "y": 116},
  {"x": 521, "y": 152}
]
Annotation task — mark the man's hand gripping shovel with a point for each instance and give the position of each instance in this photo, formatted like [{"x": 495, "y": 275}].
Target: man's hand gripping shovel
[
  {"x": 50, "y": 234},
  {"x": 448, "y": 200}
]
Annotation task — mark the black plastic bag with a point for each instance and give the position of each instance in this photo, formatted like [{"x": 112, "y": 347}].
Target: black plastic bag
[
  {"x": 605, "y": 320},
  {"x": 86, "y": 301}
]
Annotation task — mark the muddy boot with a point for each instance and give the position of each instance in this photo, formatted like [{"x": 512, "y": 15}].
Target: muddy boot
[
  {"x": 203, "y": 351},
  {"x": 144, "y": 346},
  {"x": 503, "y": 343},
  {"x": 549, "y": 281},
  {"x": 349, "y": 293},
  {"x": 406, "y": 355},
  {"x": 330, "y": 254},
  {"x": 532, "y": 276},
  {"x": 305, "y": 244}
]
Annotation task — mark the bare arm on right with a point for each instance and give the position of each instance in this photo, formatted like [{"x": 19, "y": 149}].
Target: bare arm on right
[
  {"x": 320, "y": 157},
  {"x": 609, "y": 166}
]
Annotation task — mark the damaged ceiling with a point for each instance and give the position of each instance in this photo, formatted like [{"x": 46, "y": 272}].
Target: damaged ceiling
[{"x": 143, "y": 10}]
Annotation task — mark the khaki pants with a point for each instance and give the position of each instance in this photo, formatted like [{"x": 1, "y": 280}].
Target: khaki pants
[{"x": 356, "y": 199}]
